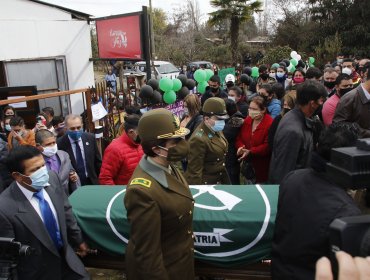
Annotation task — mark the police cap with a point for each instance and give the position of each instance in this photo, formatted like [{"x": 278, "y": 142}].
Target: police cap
[{"x": 215, "y": 106}]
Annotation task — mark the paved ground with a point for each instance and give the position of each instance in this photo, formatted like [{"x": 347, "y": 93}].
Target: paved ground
[{"x": 105, "y": 274}]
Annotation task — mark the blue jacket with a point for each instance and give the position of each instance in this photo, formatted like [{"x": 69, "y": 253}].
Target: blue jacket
[{"x": 274, "y": 107}]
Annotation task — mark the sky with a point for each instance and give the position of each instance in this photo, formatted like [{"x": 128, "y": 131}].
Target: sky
[{"x": 100, "y": 8}]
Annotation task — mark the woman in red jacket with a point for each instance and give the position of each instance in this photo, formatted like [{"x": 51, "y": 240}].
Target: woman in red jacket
[
  {"x": 252, "y": 140},
  {"x": 122, "y": 155}
]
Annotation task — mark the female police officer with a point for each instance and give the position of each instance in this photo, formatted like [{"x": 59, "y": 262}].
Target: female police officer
[
  {"x": 159, "y": 204},
  {"x": 206, "y": 159}
]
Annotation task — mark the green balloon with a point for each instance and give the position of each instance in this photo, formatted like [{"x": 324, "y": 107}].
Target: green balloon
[
  {"x": 177, "y": 85},
  {"x": 200, "y": 75},
  {"x": 255, "y": 73},
  {"x": 311, "y": 60},
  {"x": 165, "y": 84},
  {"x": 209, "y": 74},
  {"x": 275, "y": 66},
  {"x": 201, "y": 88},
  {"x": 294, "y": 62},
  {"x": 169, "y": 97},
  {"x": 291, "y": 68}
]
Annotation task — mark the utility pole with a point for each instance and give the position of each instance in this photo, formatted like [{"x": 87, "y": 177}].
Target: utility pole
[{"x": 152, "y": 45}]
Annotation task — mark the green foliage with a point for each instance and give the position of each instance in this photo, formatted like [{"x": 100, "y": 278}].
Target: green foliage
[
  {"x": 328, "y": 50},
  {"x": 276, "y": 54},
  {"x": 236, "y": 12}
]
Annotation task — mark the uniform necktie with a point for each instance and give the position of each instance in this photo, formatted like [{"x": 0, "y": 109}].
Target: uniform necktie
[
  {"x": 81, "y": 171},
  {"x": 49, "y": 220}
]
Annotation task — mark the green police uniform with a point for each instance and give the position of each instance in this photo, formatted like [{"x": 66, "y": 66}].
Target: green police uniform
[
  {"x": 160, "y": 211},
  {"x": 206, "y": 159}
]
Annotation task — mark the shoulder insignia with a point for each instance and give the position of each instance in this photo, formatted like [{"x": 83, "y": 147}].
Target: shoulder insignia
[
  {"x": 141, "y": 181},
  {"x": 210, "y": 136},
  {"x": 199, "y": 133}
]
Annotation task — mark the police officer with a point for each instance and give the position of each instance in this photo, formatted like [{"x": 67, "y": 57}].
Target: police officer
[
  {"x": 159, "y": 204},
  {"x": 206, "y": 159}
]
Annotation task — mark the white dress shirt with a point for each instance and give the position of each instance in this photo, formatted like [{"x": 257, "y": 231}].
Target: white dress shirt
[{"x": 35, "y": 202}]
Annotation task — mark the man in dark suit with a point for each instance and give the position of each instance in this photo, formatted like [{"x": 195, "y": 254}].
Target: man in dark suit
[
  {"x": 35, "y": 211},
  {"x": 82, "y": 149},
  {"x": 57, "y": 160}
]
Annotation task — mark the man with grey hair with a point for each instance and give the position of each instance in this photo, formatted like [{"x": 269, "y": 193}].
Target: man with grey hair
[
  {"x": 57, "y": 160},
  {"x": 82, "y": 149}
]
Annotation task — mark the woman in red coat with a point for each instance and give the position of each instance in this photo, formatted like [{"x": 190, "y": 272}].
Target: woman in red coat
[{"x": 252, "y": 140}]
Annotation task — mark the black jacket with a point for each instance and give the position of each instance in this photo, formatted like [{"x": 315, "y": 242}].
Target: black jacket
[
  {"x": 208, "y": 94},
  {"x": 92, "y": 155},
  {"x": 293, "y": 145},
  {"x": 192, "y": 124},
  {"x": 308, "y": 203}
]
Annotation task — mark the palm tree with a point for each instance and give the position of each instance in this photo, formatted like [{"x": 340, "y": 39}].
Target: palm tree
[{"x": 237, "y": 11}]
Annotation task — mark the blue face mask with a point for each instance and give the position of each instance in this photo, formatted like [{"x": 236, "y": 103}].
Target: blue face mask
[
  {"x": 39, "y": 178},
  {"x": 219, "y": 125},
  {"x": 280, "y": 75},
  {"x": 8, "y": 127},
  {"x": 75, "y": 135}
]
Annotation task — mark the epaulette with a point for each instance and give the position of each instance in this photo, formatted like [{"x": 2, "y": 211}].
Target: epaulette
[{"x": 141, "y": 181}]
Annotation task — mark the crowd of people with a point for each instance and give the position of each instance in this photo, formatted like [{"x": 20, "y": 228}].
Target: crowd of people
[{"x": 276, "y": 129}]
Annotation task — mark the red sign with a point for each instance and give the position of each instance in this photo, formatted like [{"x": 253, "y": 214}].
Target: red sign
[{"x": 120, "y": 37}]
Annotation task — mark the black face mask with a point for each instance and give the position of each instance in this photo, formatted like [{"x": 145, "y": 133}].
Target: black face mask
[
  {"x": 214, "y": 90},
  {"x": 264, "y": 76},
  {"x": 329, "y": 85},
  {"x": 137, "y": 140},
  {"x": 343, "y": 91}
]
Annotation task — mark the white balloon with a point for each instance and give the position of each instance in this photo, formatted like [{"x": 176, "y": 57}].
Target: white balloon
[
  {"x": 293, "y": 54},
  {"x": 298, "y": 57}
]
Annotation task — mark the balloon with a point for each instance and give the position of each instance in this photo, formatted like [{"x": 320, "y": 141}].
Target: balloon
[
  {"x": 311, "y": 60},
  {"x": 165, "y": 84},
  {"x": 157, "y": 97},
  {"x": 190, "y": 84},
  {"x": 293, "y": 54},
  {"x": 245, "y": 79},
  {"x": 200, "y": 75},
  {"x": 275, "y": 66},
  {"x": 153, "y": 83},
  {"x": 183, "y": 79},
  {"x": 291, "y": 68},
  {"x": 255, "y": 73},
  {"x": 294, "y": 62},
  {"x": 201, "y": 88},
  {"x": 209, "y": 74},
  {"x": 183, "y": 92},
  {"x": 298, "y": 57},
  {"x": 169, "y": 97},
  {"x": 287, "y": 62},
  {"x": 146, "y": 92},
  {"x": 176, "y": 84},
  {"x": 247, "y": 70}
]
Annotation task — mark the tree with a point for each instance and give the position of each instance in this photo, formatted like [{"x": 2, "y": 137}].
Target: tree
[{"x": 237, "y": 12}]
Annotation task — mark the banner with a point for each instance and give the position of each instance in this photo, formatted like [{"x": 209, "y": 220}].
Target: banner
[
  {"x": 223, "y": 72},
  {"x": 120, "y": 37},
  {"x": 232, "y": 224}
]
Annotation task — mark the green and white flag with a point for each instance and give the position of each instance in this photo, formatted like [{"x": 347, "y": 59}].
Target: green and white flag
[{"x": 232, "y": 224}]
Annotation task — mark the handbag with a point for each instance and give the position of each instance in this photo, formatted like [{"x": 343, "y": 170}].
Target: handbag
[{"x": 247, "y": 170}]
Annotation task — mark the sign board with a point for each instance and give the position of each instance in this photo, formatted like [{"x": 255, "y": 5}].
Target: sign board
[{"x": 120, "y": 37}]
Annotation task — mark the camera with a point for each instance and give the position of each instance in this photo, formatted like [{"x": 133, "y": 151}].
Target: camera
[
  {"x": 350, "y": 167},
  {"x": 10, "y": 252}
]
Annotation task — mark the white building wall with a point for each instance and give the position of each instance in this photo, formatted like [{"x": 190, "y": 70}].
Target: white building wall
[{"x": 40, "y": 31}]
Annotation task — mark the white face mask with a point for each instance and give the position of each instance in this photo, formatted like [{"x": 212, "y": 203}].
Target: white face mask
[
  {"x": 272, "y": 75},
  {"x": 50, "y": 151},
  {"x": 231, "y": 98},
  {"x": 347, "y": 71}
]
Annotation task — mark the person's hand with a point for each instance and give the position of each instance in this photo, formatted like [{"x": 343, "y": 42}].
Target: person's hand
[
  {"x": 83, "y": 250},
  {"x": 73, "y": 177},
  {"x": 17, "y": 135},
  {"x": 242, "y": 153},
  {"x": 40, "y": 126},
  {"x": 349, "y": 268}
]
